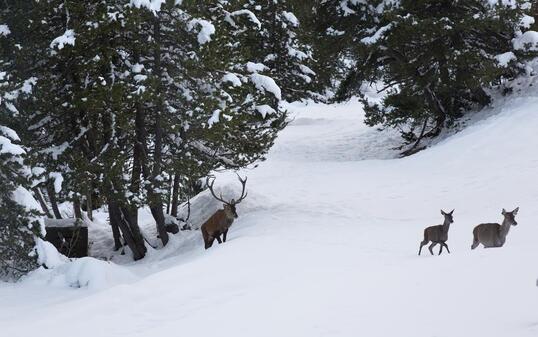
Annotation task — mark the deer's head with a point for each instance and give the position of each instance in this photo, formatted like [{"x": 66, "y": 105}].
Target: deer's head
[
  {"x": 448, "y": 216},
  {"x": 229, "y": 206},
  {"x": 510, "y": 217}
]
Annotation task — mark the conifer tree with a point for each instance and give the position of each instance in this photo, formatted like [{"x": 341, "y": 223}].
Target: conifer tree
[
  {"x": 273, "y": 42},
  {"x": 18, "y": 223},
  {"x": 435, "y": 60}
]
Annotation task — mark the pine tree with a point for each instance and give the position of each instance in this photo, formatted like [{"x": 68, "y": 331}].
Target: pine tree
[
  {"x": 435, "y": 60},
  {"x": 130, "y": 95},
  {"x": 273, "y": 43},
  {"x": 331, "y": 29},
  {"x": 18, "y": 222}
]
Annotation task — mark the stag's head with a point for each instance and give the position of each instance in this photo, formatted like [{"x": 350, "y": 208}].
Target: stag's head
[{"x": 229, "y": 206}]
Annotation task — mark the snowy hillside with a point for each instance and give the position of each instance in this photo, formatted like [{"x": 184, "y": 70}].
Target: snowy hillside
[{"x": 326, "y": 245}]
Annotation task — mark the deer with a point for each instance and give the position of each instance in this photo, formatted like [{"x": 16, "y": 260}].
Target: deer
[
  {"x": 438, "y": 234},
  {"x": 221, "y": 221},
  {"x": 492, "y": 235}
]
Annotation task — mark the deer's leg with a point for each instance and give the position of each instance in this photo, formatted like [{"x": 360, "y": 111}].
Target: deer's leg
[
  {"x": 224, "y": 236},
  {"x": 210, "y": 243},
  {"x": 430, "y": 248},
  {"x": 422, "y": 244},
  {"x": 475, "y": 242},
  {"x": 206, "y": 238},
  {"x": 218, "y": 239},
  {"x": 441, "y": 248},
  {"x": 446, "y": 246}
]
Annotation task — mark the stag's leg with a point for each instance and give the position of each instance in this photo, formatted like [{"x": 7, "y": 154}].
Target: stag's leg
[
  {"x": 218, "y": 239},
  {"x": 446, "y": 246},
  {"x": 206, "y": 238},
  {"x": 441, "y": 248},
  {"x": 224, "y": 236},
  {"x": 211, "y": 240},
  {"x": 430, "y": 248}
]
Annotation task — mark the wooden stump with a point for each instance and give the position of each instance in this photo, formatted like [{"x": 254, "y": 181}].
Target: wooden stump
[{"x": 69, "y": 236}]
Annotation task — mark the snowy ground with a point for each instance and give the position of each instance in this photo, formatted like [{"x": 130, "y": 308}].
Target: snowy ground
[{"x": 326, "y": 245}]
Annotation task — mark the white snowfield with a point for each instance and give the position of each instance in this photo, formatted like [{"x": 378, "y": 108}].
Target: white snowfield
[{"x": 326, "y": 245}]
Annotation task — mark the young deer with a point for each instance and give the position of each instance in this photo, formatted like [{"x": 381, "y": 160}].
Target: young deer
[
  {"x": 219, "y": 223},
  {"x": 493, "y": 234},
  {"x": 437, "y": 234}
]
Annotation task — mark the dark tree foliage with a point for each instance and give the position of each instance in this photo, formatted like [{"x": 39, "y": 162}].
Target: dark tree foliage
[
  {"x": 435, "y": 60},
  {"x": 18, "y": 224},
  {"x": 125, "y": 98}
]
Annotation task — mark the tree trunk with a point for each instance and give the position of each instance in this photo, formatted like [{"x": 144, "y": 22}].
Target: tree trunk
[
  {"x": 169, "y": 194},
  {"x": 175, "y": 196},
  {"x": 114, "y": 223},
  {"x": 52, "y": 198},
  {"x": 39, "y": 197},
  {"x": 130, "y": 217},
  {"x": 126, "y": 220},
  {"x": 156, "y": 205},
  {"x": 76, "y": 208},
  {"x": 117, "y": 218},
  {"x": 89, "y": 206}
]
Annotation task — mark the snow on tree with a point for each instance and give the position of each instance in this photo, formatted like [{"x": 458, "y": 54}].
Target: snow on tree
[
  {"x": 435, "y": 60},
  {"x": 19, "y": 221},
  {"x": 273, "y": 42},
  {"x": 131, "y": 96}
]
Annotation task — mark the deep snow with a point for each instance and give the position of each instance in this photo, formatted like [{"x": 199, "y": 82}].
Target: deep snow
[{"x": 326, "y": 245}]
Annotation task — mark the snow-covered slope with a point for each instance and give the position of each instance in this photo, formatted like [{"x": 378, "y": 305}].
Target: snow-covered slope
[{"x": 326, "y": 245}]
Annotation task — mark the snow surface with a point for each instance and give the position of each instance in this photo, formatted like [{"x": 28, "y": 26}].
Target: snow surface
[{"x": 325, "y": 244}]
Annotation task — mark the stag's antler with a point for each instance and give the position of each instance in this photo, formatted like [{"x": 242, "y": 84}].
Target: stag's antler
[
  {"x": 188, "y": 210},
  {"x": 233, "y": 201},
  {"x": 210, "y": 186},
  {"x": 243, "y": 183}
]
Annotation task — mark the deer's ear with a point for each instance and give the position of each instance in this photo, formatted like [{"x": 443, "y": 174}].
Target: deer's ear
[
  {"x": 452, "y": 212},
  {"x": 515, "y": 211},
  {"x": 503, "y": 212},
  {"x": 443, "y": 212}
]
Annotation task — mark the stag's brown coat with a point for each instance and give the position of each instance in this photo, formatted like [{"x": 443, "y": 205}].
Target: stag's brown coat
[
  {"x": 217, "y": 225},
  {"x": 220, "y": 222}
]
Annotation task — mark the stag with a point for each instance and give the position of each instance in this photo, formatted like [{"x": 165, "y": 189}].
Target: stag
[{"x": 221, "y": 221}]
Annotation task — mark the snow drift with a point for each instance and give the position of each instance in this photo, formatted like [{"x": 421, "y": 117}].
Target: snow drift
[{"x": 326, "y": 244}]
